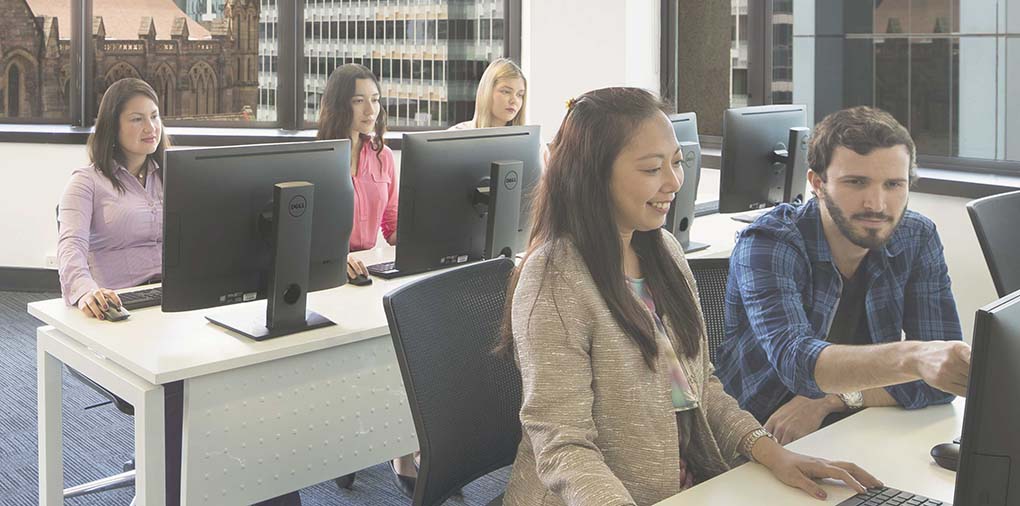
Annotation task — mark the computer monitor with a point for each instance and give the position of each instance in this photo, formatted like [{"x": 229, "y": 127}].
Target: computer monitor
[
  {"x": 989, "y": 467},
  {"x": 764, "y": 157},
  {"x": 450, "y": 199},
  {"x": 243, "y": 223},
  {"x": 681, "y": 212}
]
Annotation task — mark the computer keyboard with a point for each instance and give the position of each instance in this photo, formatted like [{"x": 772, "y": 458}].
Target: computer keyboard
[
  {"x": 385, "y": 270},
  {"x": 886, "y": 496},
  {"x": 142, "y": 298}
]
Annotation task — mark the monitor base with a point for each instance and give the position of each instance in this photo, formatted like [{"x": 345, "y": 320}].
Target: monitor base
[
  {"x": 748, "y": 216},
  {"x": 695, "y": 246},
  {"x": 251, "y": 322}
]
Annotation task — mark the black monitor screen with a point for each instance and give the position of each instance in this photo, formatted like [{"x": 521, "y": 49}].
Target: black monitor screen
[
  {"x": 752, "y": 176},
  {"x": 216, "y": 249},
  {"x": 439, "y": 222},
  {"x": 989, "y": 468}
]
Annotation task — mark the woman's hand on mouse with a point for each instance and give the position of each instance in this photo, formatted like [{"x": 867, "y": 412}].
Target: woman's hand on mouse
[
  {"x": 355, "y": 268},
  {"x": 96, "y": 302}
]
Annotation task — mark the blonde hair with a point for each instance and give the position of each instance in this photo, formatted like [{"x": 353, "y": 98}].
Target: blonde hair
[{"x": 499, "y": 69}]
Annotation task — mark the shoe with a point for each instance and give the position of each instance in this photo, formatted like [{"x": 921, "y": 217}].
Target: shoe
[{"x": 404, "y": 483}]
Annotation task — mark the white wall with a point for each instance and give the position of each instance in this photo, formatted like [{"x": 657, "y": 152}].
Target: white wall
[
  {"x": 36, "y": 175},
  {"x": 972, "y": 283},
  {"x": 573, "y": 46}
]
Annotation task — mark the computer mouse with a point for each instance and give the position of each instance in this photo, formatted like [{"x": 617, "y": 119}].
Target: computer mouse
[
  {"x": 116, "y": 314},
  {"x": 946, "y": 455},
  {"x": 361, "y": 280}
]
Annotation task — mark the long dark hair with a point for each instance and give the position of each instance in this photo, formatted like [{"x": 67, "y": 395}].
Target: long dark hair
[
  {"x": 102, "y": 146},
  {"x": 572, "y": 201},
  {"x": 336, "y": 111}
]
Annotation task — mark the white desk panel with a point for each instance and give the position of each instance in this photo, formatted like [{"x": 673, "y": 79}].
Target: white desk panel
[
  {"x": 891, "y": 443},
  {"x": 263, "y": 430}
]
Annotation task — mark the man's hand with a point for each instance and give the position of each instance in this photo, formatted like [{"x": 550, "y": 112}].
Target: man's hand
[
  {"x": 944, "y": 365},
  {"x": 801, "y": 416}
]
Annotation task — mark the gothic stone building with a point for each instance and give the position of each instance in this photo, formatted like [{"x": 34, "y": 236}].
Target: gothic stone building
[{"x": 207, "y": 72}]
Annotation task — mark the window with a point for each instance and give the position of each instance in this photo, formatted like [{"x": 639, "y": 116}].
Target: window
[
  {"x": 738, "y": 54},
  {"x": 201, "y": 57},
  {"x": 919, "y": 61},
  {"x": 428, "y": 55},
  {"x": 227, "y": 63},
  {"x": 35, "y": 62}
]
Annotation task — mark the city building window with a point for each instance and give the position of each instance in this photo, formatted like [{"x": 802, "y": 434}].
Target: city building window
[
  {"x": 428, "y": 55},
  {"x": 14, "y": 90},
  {"x": 221, "y": 63}
]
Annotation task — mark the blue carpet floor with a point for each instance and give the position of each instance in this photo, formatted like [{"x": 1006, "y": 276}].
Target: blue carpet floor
[{"x": 98, "y": 441}]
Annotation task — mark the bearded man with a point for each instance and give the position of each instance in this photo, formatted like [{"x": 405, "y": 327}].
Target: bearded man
[{"x": 844, "y": 302}]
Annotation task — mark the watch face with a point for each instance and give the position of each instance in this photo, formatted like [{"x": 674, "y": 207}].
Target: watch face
[{"x": 853, "y": 400}]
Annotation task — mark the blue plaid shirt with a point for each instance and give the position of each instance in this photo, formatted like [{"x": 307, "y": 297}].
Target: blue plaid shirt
[{"x": 782, "y": 295}]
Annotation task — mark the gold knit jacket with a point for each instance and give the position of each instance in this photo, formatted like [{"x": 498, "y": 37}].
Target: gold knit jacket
[{"x": 599, "y": 426}]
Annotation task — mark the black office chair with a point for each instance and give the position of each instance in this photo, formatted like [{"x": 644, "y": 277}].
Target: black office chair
[
  {"x": 994, "y": 220},
  {"x": 711, "y": 275},
  {"x": 464, "y": 398},
  {"x": 124, "y": 479}
]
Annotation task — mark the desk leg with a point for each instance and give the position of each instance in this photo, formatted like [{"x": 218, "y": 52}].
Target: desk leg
[
  {"x": 51, "y": 458},
  {"x": 150, "y": 477}
]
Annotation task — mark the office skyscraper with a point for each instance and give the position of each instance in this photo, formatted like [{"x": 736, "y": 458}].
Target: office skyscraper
[{"x": 429, "y": 54}]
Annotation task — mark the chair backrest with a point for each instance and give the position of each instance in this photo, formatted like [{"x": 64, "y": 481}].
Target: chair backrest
[
  {"x": 994, "y": 220},
  {"x": 464, "y": 398},
  {"x": 711, "y": 275}
]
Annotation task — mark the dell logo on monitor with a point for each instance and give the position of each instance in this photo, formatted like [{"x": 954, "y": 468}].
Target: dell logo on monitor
[
  {"x": 297, "y": 205},
  {"x": 510, "y": 181}
]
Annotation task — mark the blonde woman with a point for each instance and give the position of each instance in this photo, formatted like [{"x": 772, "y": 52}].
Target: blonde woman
[{"x": 501, "y": 98}]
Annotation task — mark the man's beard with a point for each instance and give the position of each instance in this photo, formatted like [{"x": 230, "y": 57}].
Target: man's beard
[{"x": 870, "y": 239}]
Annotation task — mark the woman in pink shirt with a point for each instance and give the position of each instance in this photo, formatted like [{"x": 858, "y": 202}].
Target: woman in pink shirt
[{"x": 351, "y": 110}]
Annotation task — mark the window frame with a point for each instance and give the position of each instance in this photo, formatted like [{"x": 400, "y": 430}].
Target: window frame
[
  {"x": 964, "y": 175},
  {"x": 289, "y": 124}
]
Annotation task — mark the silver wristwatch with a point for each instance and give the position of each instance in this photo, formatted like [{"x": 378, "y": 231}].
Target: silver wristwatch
[{"x": 853, "y": 400}]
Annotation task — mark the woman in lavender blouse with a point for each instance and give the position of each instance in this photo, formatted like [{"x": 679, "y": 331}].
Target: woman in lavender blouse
[
  {"x": 111, "y": 213},
  {"x": 111, "y": 230}
]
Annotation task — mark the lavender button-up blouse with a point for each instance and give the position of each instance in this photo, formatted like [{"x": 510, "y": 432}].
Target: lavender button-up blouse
[{"x": 109, "y": 239}]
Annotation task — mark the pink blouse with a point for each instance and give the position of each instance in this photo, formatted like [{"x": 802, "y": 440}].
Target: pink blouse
[{"x": 375, "y": 197}]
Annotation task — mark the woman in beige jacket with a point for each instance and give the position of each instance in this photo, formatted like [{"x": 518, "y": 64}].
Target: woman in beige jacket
[{"x": 620, "y": 406}]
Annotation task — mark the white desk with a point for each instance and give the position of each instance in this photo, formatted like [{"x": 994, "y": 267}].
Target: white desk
[
  {"x": 261, "y": 418},
  {"x": 719, "y": 231},
  {"x": 890, "y": 443}
]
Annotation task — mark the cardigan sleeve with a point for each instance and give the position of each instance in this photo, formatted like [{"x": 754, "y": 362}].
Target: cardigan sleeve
[{"x": 552, "y": 340}]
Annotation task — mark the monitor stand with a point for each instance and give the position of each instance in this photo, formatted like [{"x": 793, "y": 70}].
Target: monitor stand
[
  {"x": 503, "y": 208},
  {"x": 285, "y": 312},
  {"x": 693, "y": 246},
  {"x": 748, "y": 216}
]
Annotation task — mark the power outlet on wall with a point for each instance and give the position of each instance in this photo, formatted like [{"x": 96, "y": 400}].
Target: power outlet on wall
[{"x": 51, "y": 262}]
